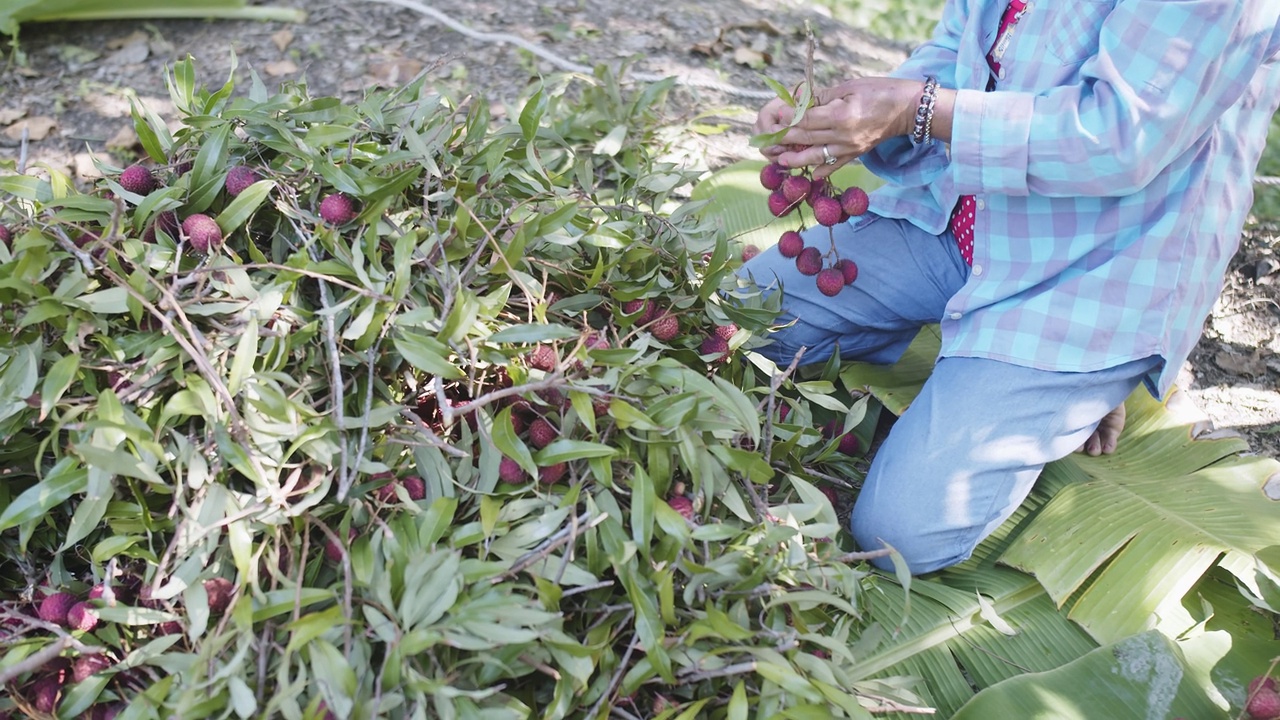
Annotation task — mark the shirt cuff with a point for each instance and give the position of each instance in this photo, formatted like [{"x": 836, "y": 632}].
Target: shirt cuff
[{"x": 990, "y": 134}]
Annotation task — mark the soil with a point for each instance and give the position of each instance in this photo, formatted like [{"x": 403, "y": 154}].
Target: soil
[{"x": 67, "y": 88}]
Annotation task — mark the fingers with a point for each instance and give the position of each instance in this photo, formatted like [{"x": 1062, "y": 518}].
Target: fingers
[{"x": 1106, "y": 436}]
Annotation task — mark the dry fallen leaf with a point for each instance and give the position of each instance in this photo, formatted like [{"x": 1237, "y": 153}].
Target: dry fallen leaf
[
  {"x": 38, "y": 128},
  {"x": 9, "y": 115},
  {"x": 1240, "y": 364},
  {"x": 280, "y": 67},
  {"x": 394, "y": 71},
  {"x": 124, "y": 139},
  {"x": 282, "y": 39}
]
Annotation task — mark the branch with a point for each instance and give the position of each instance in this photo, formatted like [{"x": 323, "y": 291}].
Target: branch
[{"x": 580, "y": 524}]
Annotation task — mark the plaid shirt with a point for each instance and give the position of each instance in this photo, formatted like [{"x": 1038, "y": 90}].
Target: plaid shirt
[{"x": 1113, "y": 169}]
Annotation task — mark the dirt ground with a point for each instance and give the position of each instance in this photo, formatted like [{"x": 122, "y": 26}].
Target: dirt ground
[{"x": 68, "y": 92}]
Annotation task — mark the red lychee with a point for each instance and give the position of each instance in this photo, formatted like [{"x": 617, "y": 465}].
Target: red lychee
[
  {"x": 682, "y": 505},
  {"x": 333, "y": 552},
  {"x": 239, "y": 178},
  {"x": 87, "y": 665},
  {"x": 166, "y": 220},
  {"x": 849, "y": 444},
  {"x": 809, "y": 261},
  {"x": 773, "y": 175},
  {"x": 543, "y": 357},
  {"x": 106, "y": 712},
  {"x": 542, "y": 433},
  {"x": 1264, "y": 705},
  {"x": 665, "y": 327},
  {"x": 796, "y": 188},
  {"x": 510, "y": 471},
  {"x": 820, "y": 187},
  {"x": 337, "y": 209},
  {"x": 596, "y": 341},
  {"x": 82, "y": 617},
  {"x": 5, "y": 235},
  {"x": 552, "y": 474},
  {"x": 202, "y": 232},
  {"x": 854, "y": 201},
  {"x": 790, "y": 244},
  {"x": 832, "y": 428},
  {"x": 169, "y": 627},
  {"x": 827, "y": 211},
  {"x": 783, "y": 411},
  {"x": 749, "y": 252},
  {"x": 1264, "y": 681},
  {"x": 848, "y": 268},
  {"x": 830, "y": 492},
  {"x": 45, "y": 694},
  {"x": 830, "y": 281},
  {"x": 54, "y": 608},
  {"x": 218, "y": 590},
  {"x": 137, "y": 180},
  {"x": 714, "y": 345},
  {"x": 414, "y": 485},
  {"x": 726, "y": 332},
  {"x": 778, "y": 204}
]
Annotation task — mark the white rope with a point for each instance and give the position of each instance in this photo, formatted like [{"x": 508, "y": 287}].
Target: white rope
[
  {"x": 562, "y": 63},
  {"x": 1267, "y": 180}
]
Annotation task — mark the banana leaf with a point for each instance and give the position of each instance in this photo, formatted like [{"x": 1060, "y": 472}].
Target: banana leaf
[{"x": 15, "y": 12}]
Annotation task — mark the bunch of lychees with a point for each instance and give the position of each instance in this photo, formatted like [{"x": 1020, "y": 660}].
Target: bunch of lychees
[{"x": 829, "y": 207}]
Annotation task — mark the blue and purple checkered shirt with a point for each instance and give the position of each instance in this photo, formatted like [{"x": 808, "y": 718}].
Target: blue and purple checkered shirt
[{"x": 1113, "y": 172}]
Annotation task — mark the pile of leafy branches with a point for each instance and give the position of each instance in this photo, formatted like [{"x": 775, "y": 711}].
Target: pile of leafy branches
[{"x": 434, "y": 459}]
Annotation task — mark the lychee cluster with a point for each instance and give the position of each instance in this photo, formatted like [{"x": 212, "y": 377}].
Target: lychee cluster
[{"x": 831, "y": 273}]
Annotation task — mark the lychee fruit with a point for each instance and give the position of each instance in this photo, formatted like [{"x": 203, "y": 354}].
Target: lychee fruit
[
  {"x": 848, "y": 268},
  {"x": 169, "y": 627},
  {"x": 796, "y": 188},
  {"x": 666, "y": 327},
  {"x": 542, "y": 433},
  {"x": 827, "y": 211},
  {"x": 333, "y": 552},
  {"x": 240, "y": 178},
  {"x": 552, "y": 474},
  {"x": 778, "y": 204},
  {"x": 726, "y": 332},
  {"x": 830, "y": 281},
  {"x": 412, "y": 484},
  {"x": 1264, "y": 705},
  {"x": 783, "y": 411},
  {"x": 54, "y": 608},
  {"x": 45, "y": 694},
  {"x": 87, "y": 665},
  {"x": 1263, "y": 681},
  {"x": 854, "y": 201},
  {"x": 543, "y": 357},
  {"x": 596, "y": 341},
  {"x": 5, "y": 235},
  {"x": 510, "y": 471},
  {"x": 82, "y": 617},
  {"x": 337, "y": 209},
  {"x": 790, "y": 244},
  {"x": 682, "y": 505},
  {"x": 832, "y": 428},
  {"x": 830, "y": 493},
  {"x": 748, "y": 252},
  {"x": 820, "y": 187},
  {"x": 773, "y": 175},
  {"x": 809, "y": 262},
  {"x": 166, "y": 220},
  {"x": 849, "y": 444},
  {"x": 202, "y": 232},
  {"x": 714, "y": 345},
  {"x": 137, "y": 180},
  {"x": 218, "y": 590}
]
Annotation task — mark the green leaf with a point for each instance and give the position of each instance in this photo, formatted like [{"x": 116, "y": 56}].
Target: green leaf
[
  {"x": 565, "y": 449},
  {"x": 245, "y": 355},
  {"x": 64, "y": 480},
  {"x": 531, "y": 115},
  {"x": 245, "y": 204},
  {"x": 533, "y": 333},
  {"x": 642, "y": 500},
  {"x": 427, "y": 354},
  {"x": 56, "y": 381}
]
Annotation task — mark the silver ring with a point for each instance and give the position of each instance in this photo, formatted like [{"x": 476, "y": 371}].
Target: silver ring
[{"x": 827, "y": 158}]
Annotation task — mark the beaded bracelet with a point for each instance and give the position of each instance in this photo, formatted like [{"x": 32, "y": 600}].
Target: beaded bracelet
[{"x": 923, "y": 132}]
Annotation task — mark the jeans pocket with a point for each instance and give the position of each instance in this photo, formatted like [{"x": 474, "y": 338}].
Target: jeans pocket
[{"x": 1074, "y": 29}]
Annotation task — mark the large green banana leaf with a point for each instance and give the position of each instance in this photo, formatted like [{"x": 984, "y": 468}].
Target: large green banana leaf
[
  {"x": 15, "y": 12},
  {"x": 1105, "y": 549}
]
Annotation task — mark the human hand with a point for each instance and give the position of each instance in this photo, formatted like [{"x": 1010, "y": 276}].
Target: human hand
[{"x": 848, "y": 120}]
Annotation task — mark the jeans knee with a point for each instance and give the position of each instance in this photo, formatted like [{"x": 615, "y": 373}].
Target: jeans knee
[{"x": 922, "y": 548}]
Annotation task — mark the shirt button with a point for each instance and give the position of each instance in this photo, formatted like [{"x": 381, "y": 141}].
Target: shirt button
[
  {"x": 1000, "y": 74},
  {"x": 955, "y": 316},
  {"x": 977, "y": 270},
  {"x": 982, "y": 204}
]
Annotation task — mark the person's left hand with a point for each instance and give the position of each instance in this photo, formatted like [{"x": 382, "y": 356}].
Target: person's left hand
[{"x": 849, "y": 120}]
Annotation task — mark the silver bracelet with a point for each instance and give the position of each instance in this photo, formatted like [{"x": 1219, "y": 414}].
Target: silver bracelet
[{"x": 923, "y": 132}]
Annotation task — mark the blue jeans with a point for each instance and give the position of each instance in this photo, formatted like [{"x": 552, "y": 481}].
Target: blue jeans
[{"x": 966, "y": 453}]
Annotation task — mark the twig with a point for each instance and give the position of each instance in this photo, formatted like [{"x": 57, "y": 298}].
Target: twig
[
  {"x": 587, "y": 588},
  {"x": 579, "y": 525},
  {"x": 860, "y": 556},
  {"x": 540, "y": 666},
  {"x": 22, "y": 151},
  {"x": 288, "y": 268},
  {"x": 46, "y": 655},
  {"x": 886, "y": 705},
  {"x": 612, "y": 687},
  {"x": 432, "y": 438},
  {"x": 1244, "y": 713},
  {"x": 694, "y": 675}
]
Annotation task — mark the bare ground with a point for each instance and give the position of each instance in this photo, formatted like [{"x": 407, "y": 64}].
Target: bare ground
[{"x": 67, "y": 89}]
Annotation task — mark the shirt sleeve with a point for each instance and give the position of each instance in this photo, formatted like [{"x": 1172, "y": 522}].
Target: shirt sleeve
[
  {"x": 1162, "y": 75},
  {"x": 897, "y": 159}
]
